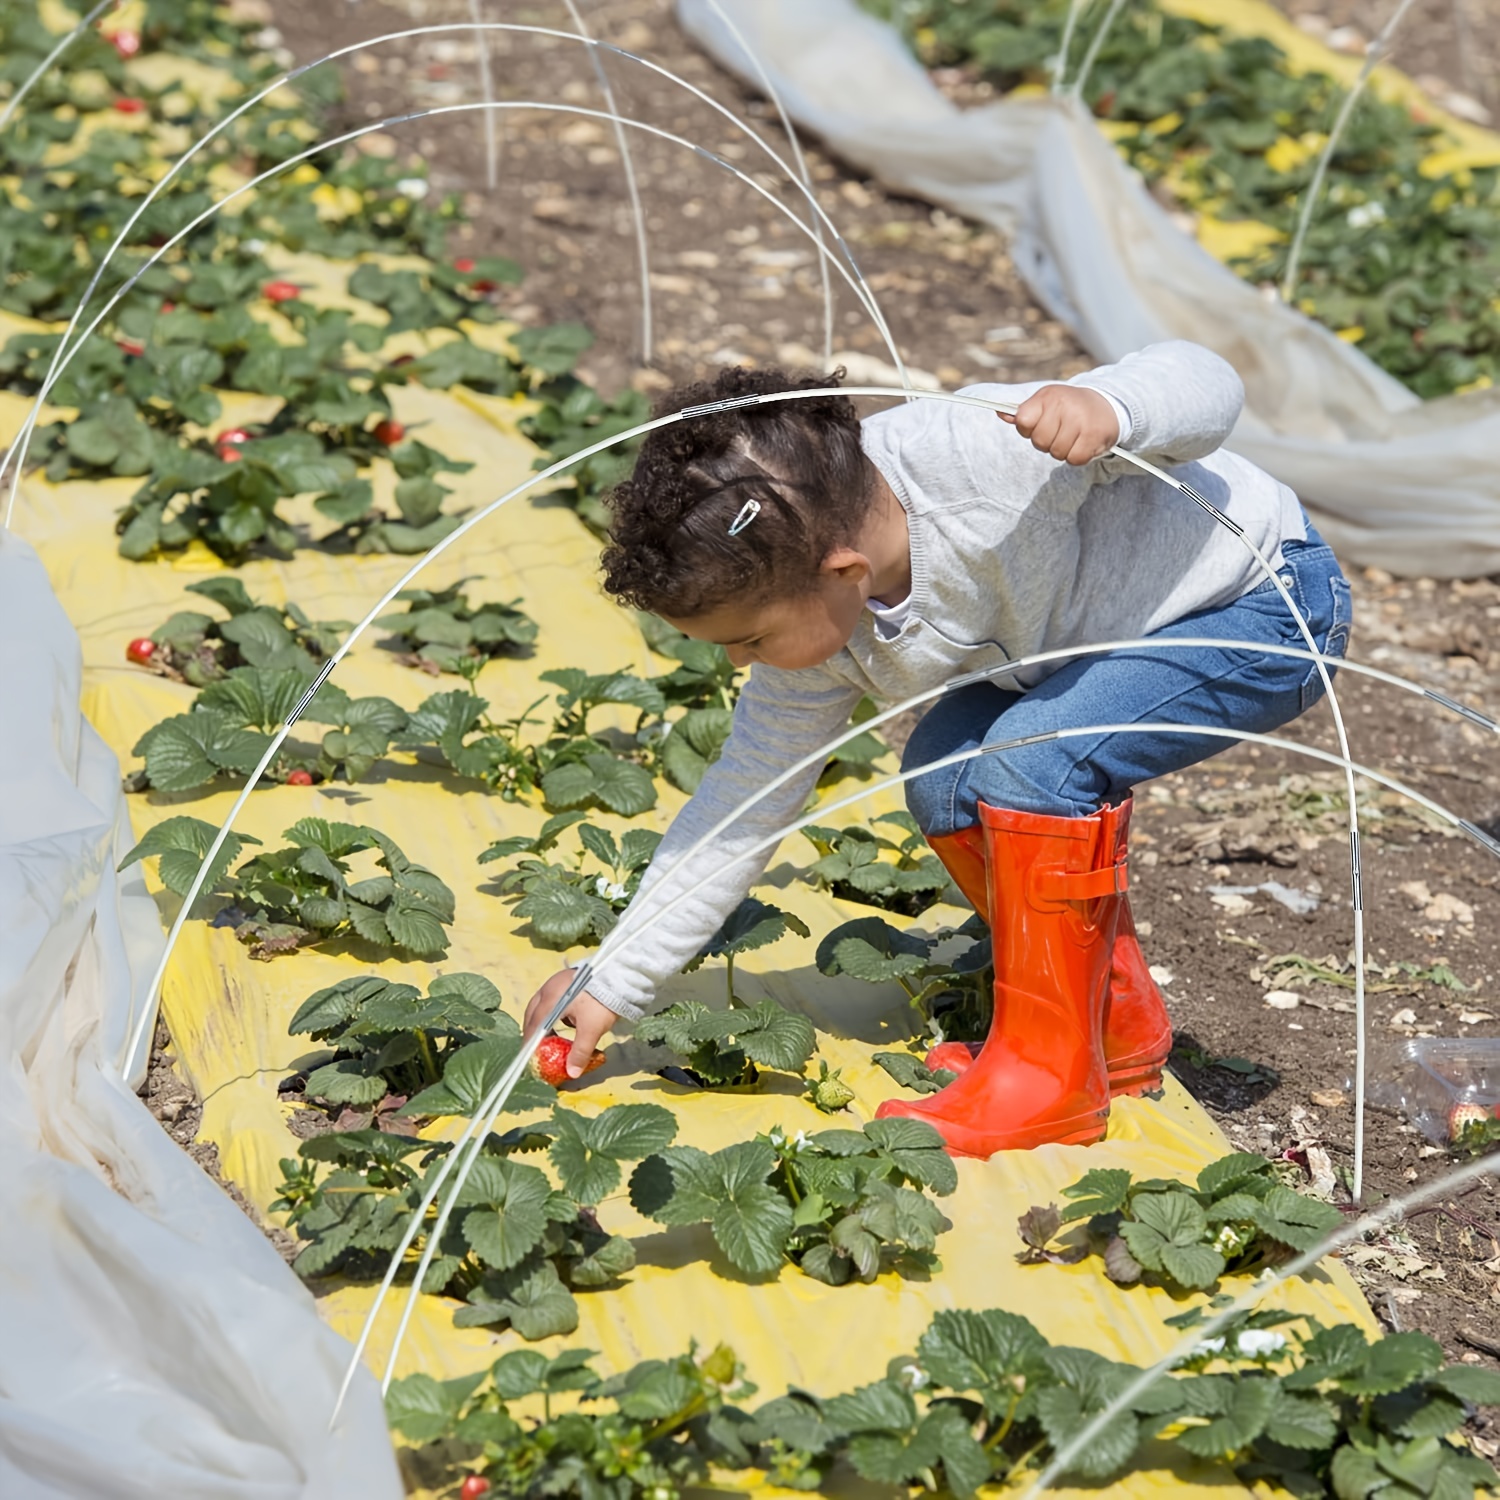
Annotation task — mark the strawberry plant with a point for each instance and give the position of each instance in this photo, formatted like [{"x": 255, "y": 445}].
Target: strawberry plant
[
  {"x": 642, "y": 1435},
  {"x": 215, "y": 315},
  {"x": 289, "y": 898},
  {"x": 841, "y": 1204},
  {"x": 1238, "y": 1218},
  {"x": 985, "y": 1399},
  {"x": 391, "y": 1041},
  {"x": 850, "y": 864},
  {"x": 954, "y": 995},
  {"x": 567, "y": 904},
  {"x": 196, "y": 648},
  {"x": 440, "y": 631},
  {"x": 230, "y": 723},
  {"x": 1404, "y": 249},
  {"x": 727, "y": 1048},
  {"x": 515, "y": 1244}
]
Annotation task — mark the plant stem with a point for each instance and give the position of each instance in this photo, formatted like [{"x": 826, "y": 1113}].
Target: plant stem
[
  {"x": 729, "y": 980},
  {"x": 429, "y": 1059}
]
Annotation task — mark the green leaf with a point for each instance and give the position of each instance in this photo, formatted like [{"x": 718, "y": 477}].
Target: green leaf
[
  {"x": 752, "y": 924},
  {"x": 182, "y": 843},
  {"x": 471, "y": 1073},
  {"x": 1102, "y": 1190},
  {"x": 1062, "y": 1413},
  {"x": 1395, "y": 1362},
  {"x": 751, "y": 1221},
  {"x": 531, "y": 1298},
  {"x": 918, "y": 1150},
  {"x": 773, "y": 1037},
  {"x": 1176, "y": 1217},
  {"x": 980, "y": 1351},
  {"x": 1247, "y": 1407},
  {"x": 1229, "y": 1173},
  {"x": 1196, "y": 1267},
  {"x": 561, "y": 913},
  {"x": 1469, "y": 1383},
  {"x": 1302, "y": 1421},
  {"x": 912, "y": 1073},
  {"x": 553, "y": 350},
  {"x": 620, "y": 785},
  {"x": 417, "y": 930},
  {"x": 608, "y": 1262},
  {"x": 350, "y": 1080},
  {"x": 879, "y": 1407},
  {"x": 1292, "y": 1219},
  {"x": 627, "y": 1132},
  {"x": 506, "y": 1216},
  {"x": 423, "y": 1409},
  {"x": 870, "y": 949}
]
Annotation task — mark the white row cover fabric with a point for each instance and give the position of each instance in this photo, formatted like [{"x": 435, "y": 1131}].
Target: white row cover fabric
[
  {"x": 1396, "y": 482},
  {"x": 154, "y": 1343}
]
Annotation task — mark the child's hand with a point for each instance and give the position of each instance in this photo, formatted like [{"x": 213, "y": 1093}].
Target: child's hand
[
  {"x": 1070, "y": 422},
  {"x": 588, "y": 1018}
]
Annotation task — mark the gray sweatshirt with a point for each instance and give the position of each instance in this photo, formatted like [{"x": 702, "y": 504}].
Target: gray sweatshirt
[{"x": 1012, "y": 553}]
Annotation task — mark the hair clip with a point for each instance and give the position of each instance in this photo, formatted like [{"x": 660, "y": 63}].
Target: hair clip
[{"x": 748, "y": 512}]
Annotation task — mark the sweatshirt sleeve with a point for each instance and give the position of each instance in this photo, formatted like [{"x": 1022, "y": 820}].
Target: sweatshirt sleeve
[
  {"x": 1181, "y": 399},
  {"x": 780, "y": 718}
]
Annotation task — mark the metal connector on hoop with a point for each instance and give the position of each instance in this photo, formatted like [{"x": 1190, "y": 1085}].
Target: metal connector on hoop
[{"x": 728, "y": 404}]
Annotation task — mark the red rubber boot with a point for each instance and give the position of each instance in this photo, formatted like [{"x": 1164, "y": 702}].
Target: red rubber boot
[
  {"x": 1137, "y": 1030},
  {"x": 1053, "y": 904}
]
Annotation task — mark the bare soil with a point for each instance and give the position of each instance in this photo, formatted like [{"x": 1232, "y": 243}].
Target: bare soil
[{"x": 735, "y": 283}]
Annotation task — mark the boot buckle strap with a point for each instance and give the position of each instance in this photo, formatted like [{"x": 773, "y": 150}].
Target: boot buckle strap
[{"x": 1085, "y": 885}]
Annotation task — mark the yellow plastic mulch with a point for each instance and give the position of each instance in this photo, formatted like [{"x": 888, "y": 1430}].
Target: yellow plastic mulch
[{"x": 228, "y": 1014}]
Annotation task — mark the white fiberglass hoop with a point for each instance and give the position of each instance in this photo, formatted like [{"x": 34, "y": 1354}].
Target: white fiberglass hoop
[
  {"x": 1314, "y": 190},
  {"x": 770, "y": 91},
  {"x": 63, "y": 354},
  {"x": 34, "y": 77},
  {"x": 632, "y": 188},
  {"x": 470, "y": 1143}
]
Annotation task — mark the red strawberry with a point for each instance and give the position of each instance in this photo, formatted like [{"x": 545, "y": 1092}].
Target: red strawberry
[
  {"x": 230, "y": 455},
  {"x": 167, "y": 307},
  {"x": 551, "y": 1061},
  {"x": 299, "y": 777},
  {"x": 141, "y": 650},
  {"x": 388, "y": 432},
  {"x": 463, "y": 265},
  {"x": 231, "y": 437},
  {"x": 473, "y": 1487},
  {"x": 952, "y": 1057},
  {"x": 280, "y": 291},
  {"x": 129, "y": 106},
  {"x": 131, "y": 347},
  {"x": 486, "y": 286},
  {"x": 126, "y": 43},
  {"x": 1461, "y": 1116}
]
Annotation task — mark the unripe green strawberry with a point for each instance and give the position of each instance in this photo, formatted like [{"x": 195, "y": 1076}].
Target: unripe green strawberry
[{"x": 828, "y": 1091}]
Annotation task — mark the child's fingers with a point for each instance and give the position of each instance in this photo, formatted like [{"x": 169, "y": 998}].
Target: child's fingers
[{"x": 590, "y": 1024}]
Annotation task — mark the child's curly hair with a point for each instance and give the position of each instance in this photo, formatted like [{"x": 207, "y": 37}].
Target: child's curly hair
[{"x": 670, "y": 551}]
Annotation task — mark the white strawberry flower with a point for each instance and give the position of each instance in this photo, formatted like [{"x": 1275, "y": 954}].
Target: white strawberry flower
[
  {"x": 414, "y": 187},
  {"x": 1259, "y": 1343}
]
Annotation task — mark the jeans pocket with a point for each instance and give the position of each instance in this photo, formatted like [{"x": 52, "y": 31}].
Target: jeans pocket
[{"x": 1335, "y": 641}]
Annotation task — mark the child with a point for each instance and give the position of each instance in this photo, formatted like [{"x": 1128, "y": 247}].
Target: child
[{"x": 839, "y": 558}]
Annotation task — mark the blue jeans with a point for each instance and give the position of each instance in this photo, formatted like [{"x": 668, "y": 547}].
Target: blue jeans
[{"x": 1227, "y": 688}]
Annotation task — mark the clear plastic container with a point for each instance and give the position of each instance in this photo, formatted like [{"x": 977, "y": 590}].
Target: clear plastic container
[{"x": 1438, "y": 1083}]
